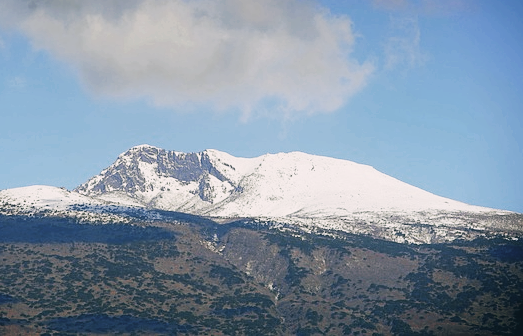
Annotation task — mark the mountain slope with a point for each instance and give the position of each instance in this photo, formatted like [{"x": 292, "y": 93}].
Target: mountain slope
[
  {"x": 47, "y": 201},
  {"x": 157, "y": 178},
  {"x": 43, "y": 196},
  {"x": 60, "y": 277},
  {"x": 306, "y": 191},
  {"x": 276, "y": 185},
  {"x": 286, "y": 190}
]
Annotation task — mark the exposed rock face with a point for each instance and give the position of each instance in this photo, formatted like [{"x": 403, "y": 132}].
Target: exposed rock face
[
  {"x": 127, "y": 174},
  {"x": 162, "y": 179}
]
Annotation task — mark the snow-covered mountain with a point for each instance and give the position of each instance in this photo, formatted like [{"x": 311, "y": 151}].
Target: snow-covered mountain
[
  {"x": 308, "y": 191},
  {"x": 58, "y": 202},
  {"x": 275, "y": 185}
]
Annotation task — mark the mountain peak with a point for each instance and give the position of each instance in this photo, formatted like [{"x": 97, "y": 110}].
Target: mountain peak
[
  {"x": 216, "y": 183},
  {"x": 143, "y": 147},
  {"x": 161, "y": 179},
  {"x": 308, "y": 191}
]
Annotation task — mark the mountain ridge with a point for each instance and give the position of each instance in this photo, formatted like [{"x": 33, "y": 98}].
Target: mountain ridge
[
  {"x": 142, "y": 170},
  {"x": 310, "y": 192},
  {"x": 113, "y": 262}
]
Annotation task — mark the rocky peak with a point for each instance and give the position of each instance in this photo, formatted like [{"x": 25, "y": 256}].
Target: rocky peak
[{"x": 137, "y": 169}]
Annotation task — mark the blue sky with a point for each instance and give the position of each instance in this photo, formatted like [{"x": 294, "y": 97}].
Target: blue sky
[{"x": 429, "y": 92}]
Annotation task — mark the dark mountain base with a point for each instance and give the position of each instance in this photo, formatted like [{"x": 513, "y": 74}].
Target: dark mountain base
[{"x": 196, "y": 278}]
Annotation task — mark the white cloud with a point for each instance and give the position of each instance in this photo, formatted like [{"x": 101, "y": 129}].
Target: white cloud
[
  {"x": 17, "y": 82},
  {"x": 402, "y": 48},
  {"x": 240, "y": 54}
]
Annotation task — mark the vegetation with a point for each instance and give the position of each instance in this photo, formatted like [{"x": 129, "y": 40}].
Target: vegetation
[{"x": 61, "y": 277}]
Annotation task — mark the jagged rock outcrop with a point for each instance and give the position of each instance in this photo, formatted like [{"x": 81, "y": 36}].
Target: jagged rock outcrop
[{"x": 162, "y": 179}]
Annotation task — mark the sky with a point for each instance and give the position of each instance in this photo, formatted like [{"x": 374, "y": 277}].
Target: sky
[{"x": 427, "y": 91}]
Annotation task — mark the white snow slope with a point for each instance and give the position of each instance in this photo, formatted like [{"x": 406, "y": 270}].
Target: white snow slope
[
  {"x": 298, "y": 184},
  {"x": 56, "y": 202},
  {"x": 273, "y": 185}
]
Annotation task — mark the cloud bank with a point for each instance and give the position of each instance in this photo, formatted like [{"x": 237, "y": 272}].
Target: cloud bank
[{"x": 283, "y": 57}]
